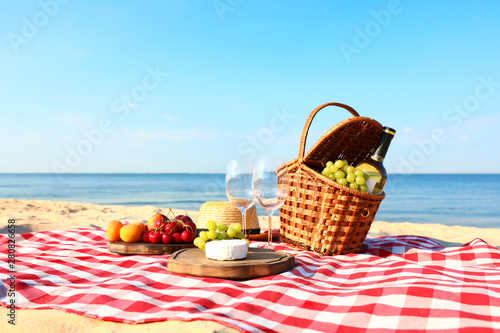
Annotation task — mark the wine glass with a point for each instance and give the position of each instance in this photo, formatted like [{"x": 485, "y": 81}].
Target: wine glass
[
  {"x": 270, "y": 187},
  {"x": 239, "y": 186}
]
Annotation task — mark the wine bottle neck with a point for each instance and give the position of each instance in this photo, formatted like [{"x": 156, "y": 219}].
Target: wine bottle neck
[
  {"x": 378, "y": 158},
  {"x": 383, "y": 144}
]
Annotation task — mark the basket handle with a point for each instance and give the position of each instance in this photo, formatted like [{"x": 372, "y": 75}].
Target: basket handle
[{"x": 310, "y": 119}]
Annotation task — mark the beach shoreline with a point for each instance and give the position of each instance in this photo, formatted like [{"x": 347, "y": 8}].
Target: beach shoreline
[{"x": 45, "y": 215}]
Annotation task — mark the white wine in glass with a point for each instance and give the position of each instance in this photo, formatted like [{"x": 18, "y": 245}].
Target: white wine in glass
[
  {"x": 270, "y": 187},
  {"x": 239, "y": 186}
]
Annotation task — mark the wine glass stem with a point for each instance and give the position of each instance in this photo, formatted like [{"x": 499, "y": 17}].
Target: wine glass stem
[
  {"x": 269, "y": 228},
  {"x": 244, "y": 219}
]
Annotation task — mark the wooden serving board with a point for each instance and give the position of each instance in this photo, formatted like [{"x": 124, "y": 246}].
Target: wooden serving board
[
  {"x": 145, "y": 248},
  {"x": 258, "y": 263}
]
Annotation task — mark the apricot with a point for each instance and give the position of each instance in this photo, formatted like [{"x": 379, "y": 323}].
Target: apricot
[
  {"x": 131, "y": 233},
  {"x": 142, "y": 225},
  {"x": 113, "y": 230}
]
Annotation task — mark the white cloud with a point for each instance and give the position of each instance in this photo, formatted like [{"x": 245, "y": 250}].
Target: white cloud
[
  {"x": 200, "y": 135},
  {"x": 408, "y": 129},
  {"x": 170, "y": 118},
  {"x": 464, "y": 137},
  {"x": 483, "y": 123}
]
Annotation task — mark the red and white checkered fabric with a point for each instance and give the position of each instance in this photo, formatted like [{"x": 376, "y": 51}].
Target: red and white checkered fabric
[{"x": 397, "y": 284}]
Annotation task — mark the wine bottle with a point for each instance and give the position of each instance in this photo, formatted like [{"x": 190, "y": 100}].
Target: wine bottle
[{"x": 373, "y": 166}]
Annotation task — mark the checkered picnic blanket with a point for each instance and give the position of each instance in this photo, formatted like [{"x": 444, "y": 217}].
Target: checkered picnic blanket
[{"x": 396, "y": 284}]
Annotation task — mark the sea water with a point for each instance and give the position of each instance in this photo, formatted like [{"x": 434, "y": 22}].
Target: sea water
[{"x": 451, "y": 199}]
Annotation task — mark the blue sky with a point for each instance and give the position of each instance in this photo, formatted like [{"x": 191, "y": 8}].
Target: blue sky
[{"x": 184, "y": 86}]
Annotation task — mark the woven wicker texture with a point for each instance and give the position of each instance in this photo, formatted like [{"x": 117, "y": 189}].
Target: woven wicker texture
[
  {"x": 226, "y": 212},
  {"x": 319, "y": 214}
]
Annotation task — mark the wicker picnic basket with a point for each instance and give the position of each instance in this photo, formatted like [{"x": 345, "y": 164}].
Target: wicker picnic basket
[{"x": 319, "y": 214}]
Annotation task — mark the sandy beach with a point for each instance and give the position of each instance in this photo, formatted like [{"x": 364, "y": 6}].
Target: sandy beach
[{"x": 41, "y": 215}]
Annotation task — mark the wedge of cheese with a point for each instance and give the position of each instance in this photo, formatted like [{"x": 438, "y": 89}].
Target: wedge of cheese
[{"x": 229, "y": 249}]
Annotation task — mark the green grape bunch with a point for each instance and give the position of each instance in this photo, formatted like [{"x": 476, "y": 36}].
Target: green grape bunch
[
  {"x": 345, "y": 174},
  {"x": 219, "y": 232}
]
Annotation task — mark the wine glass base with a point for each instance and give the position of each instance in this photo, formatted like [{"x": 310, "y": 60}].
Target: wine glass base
[{"x": 266, "y": 245}]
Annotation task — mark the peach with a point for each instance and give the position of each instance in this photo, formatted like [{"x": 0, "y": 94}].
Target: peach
[{"x": 157, "y": 217}]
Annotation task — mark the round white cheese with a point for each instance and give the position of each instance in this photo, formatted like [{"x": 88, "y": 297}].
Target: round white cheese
[{"x": 229, "y": 249}]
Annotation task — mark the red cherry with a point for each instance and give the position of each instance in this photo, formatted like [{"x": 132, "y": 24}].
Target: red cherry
[
  {"x": 177, "y": 237},
  {"x": 190, "y": 226},
  {"x": 187, "y": 236},
  {"x": 159, "y": 225},
  {"x": 167, "y": 238},
  {"x": 168, "y": 227},
  {"x": 145, "y": 237},
  {"x": 187, "y": 222},
  {"x": 155, "y": 237},
  {"x": 176, "y": 227},
  {"x": 183, "y": 218}
]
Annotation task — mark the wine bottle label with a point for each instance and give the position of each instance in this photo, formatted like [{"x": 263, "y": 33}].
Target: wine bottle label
[
  {"x": 370, "y": 183},
  {"x": 373, "y": 181},
  {"x": 374, "y": 175}
]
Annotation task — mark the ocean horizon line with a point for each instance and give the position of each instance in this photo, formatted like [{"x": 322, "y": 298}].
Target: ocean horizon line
[{"x": 409, "y": 197}]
